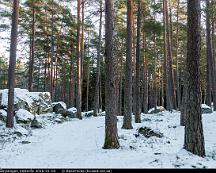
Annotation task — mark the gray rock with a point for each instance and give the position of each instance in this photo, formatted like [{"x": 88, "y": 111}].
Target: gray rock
[
  {"x": 20, "y": 131},
  {"x": 36, "y": 124},
  {"x": 24, "y": 116},
  {"x": 3, "y": 115},
  {"x": 59, "y": 108},
  {"x": 71, "y": 113},
  {"x": 157, "y": 110},
  {"x": 34, "y": 102},
  {"x": 88, "y": 114},
  {"x": 58, "y": 120},
  {"x": 102, "y": 114},
  {"x": 147, "y": 132},
  {"x": 206, "y": 109},
  {"x": 25, "y": 142}
]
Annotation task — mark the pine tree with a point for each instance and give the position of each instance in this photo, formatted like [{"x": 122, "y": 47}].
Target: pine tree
[
  {"x": 127, "y": 121},
  {"x": 111, "y": 134},
  {"x": 12, "y": 65},
  {"x": 194, "y": 139}
]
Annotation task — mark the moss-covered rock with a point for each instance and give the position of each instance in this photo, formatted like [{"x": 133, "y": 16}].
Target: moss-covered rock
[{"x": 147, "y": 132}]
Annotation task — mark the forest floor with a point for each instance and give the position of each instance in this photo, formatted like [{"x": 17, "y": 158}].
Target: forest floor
[{"x": 78, "y": 144}]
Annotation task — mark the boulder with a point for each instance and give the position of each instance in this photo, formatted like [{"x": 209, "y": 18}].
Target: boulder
[
  {"x": 88, "y": 114},
  {"x": 34, "y": 102},
  {"x": 3, "y": 115},
  {"x": 59, "y": 108},
  {"x": 24, "y": 116},
  {"x": 71, "y": 112},
  {"x": 147, "y": 132},
  {"x": 206, "y": 109},
  {"x": 20, "y": 131},
  {"x": 43, "y": 102},
  {"x": 157, "y": 110},
  {"x": 36, "y": 124},
  {"x": 102, "y": 113},
  {"x": 58, "y": 120}
]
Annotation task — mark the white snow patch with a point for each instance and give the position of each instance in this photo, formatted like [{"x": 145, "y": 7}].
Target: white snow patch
[
  {"x": 78, "y": 144},
  {"x": 204, "y": 106},
  {"x": 24, "y": 115},
  {"x": 22, "y": 94},
  {"x": 73, "y": 109},
  {"x": 21, "y": 130},
  {"x": 3, "y": 112},
  {"x": 158, "y": 107},
  {"x": 63, "y": 104}
]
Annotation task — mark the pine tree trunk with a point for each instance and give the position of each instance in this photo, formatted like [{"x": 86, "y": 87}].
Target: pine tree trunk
[
  {"x": 72, "y": 81},
  {"x": 170, "y": 94},
  {"x": 64, "y": 82},
  {"x": 145, "y": 78},
  {"x": 97, "y": 84},
  {"x": 79, "y": 68},
  {"x": 194, "y": 139},
  {"x": 31, "y": 62},
  {"x": 120, "y": 87},
  {"x": 12, "y": 65},
  {"x": 127, "y": 121},
  {"x": 184, "y": 103},
  {"x": 82, "y": 51},
  {"x": 177, "y": 60},
  {"x": 133, "y": 60},
  {"x": 52, "y": 50},
  {"x": 111, "y": 132},
  {"x": 210, "y": 58},
  {"x": 137, "y": 88},
  {"x": 88, "y": 73}
]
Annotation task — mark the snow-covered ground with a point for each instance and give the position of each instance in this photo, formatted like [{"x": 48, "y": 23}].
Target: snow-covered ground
[{"x": 78, "y": 144}]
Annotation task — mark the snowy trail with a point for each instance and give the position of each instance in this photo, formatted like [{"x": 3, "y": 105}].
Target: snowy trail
[
  {"x": 63, "y": 145},
  {"x": 78, "y": 144}
]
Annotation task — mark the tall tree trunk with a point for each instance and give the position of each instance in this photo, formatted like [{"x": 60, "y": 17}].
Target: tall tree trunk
[
  {"x": 52, "y": 50},
  {"x": 213, "y": 34},
  {"x": 120, "y": 85},
  {"x": 72, "y": 81},
  {"x": 155, "y": 76},
  {"x": 79, "y": 69},
  {"x": 64, "y": 83},
  {"x": 97, "y": 84},
  {"x": 194, "y": 139},
  {"x": 127, "y": 121},
  {"x": 184, "y": 103},
  {"x": 177, "y": 60},
  {"x": 82, "y": 52},
  {"x": 137, "y": 89},
  {"x": 133, "y": 59},
  {"x": 170, "y": 93},
  {"x": 31, "y": 62},
  {"x": 165, "y": 74},
  {"x": 111, "y": 132},
  {"x": 145, "y": 77},
  {"x": 210, "y": 58},
  {"x": 45, "y": 76},
  {"x": 88, "y": 73},
  {"x": 12, "y": 65}
]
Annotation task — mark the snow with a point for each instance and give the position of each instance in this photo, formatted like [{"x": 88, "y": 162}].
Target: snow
[
  {"x": 21, "y": 94},
  {"x": 24, "y": 115},
  {"x": 78, "y": 144},
  {"x": 61, "y": 103},
  {"x": 204, "y": 106},
  {"x": 73, "y": 109},
  {"x": 158, "y": 107},
  {"x": 3, "y": 113},
  {"x": 18, "y": 93}
]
